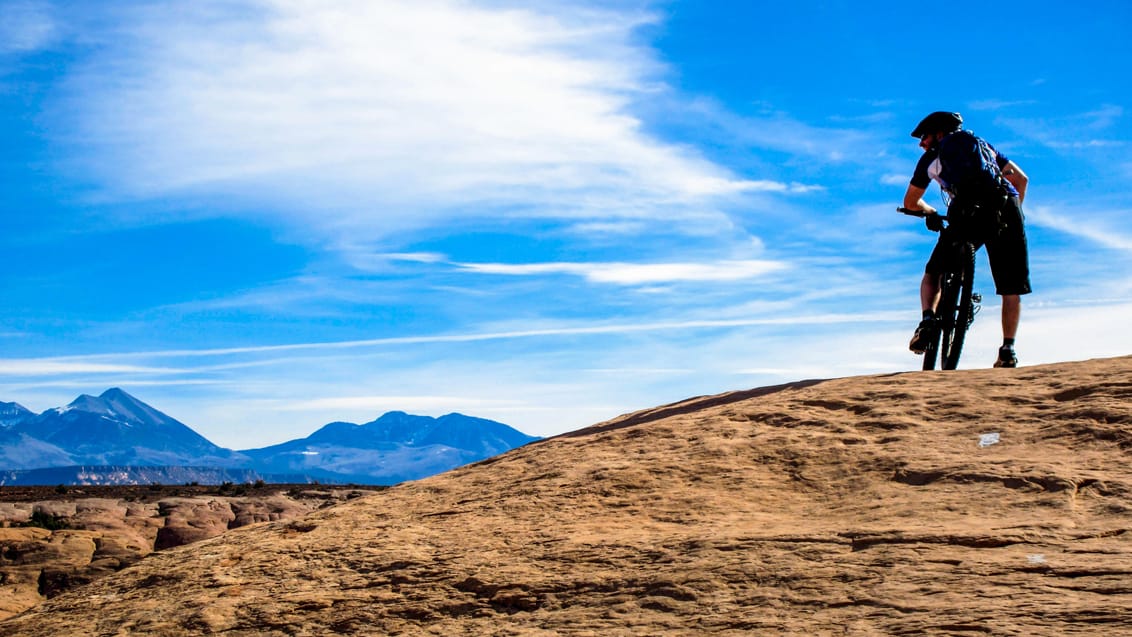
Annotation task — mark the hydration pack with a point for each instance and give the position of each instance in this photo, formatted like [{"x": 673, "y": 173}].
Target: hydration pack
[{"x": 969, "y": 167}]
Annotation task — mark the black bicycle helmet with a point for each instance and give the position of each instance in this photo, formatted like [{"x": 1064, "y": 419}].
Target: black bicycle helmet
[{"x": 938, "y": 122}]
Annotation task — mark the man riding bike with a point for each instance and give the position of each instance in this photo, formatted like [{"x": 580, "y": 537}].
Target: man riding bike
[{"x": 987, "y": 201}]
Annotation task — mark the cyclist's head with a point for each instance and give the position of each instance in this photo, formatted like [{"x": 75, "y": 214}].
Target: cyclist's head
[{"x": 938, "y": 122}]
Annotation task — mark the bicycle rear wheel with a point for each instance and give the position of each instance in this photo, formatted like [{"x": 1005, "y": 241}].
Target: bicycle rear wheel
[{"x": 959, "y": 319}]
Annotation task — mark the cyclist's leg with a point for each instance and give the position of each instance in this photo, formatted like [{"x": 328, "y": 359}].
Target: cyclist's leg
[
  {"x": 942, "y": 260},
  {"x": 1011, "y": 314},
  {"x": 1008, "y": 253},
  {"x": 1009, "y": 261},
  {"x": 929, "y": 292},
  {"x": 927, "y": 332}
]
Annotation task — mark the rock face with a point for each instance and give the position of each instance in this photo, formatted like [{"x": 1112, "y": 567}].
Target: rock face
[
  {"x": 88, "y": 538},
  {"x": 991, "y": 502}
]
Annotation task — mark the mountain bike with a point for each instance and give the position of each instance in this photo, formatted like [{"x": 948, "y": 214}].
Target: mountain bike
[{"x": 958, "y": 304}]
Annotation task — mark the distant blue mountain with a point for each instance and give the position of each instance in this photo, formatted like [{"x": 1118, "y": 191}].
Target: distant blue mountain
[
  {"x": 395, "y": 447},
  {"x": 11, "y": 413},
  {"x": 21, "y": 451},
  {"x": 400, "y": 429},
  {"x": 118, "y": 429},
  {"x": 17, "y": 449},
  {"x": 124, "y": 438}
]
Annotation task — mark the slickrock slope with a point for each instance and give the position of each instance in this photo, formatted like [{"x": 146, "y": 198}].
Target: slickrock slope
[
  {"x": 859, "y": 506},
  {"x": 91, "y": 537}
]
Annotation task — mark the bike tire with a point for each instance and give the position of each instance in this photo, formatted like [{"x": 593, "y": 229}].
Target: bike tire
[
  {"x": 964, "y": 310},
  {"x": 930, "y": 354},
  {"x": 946, "y": 313}
]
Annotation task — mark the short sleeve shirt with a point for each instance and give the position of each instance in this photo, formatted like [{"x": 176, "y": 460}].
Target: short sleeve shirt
[{"x": 927, "y": 169}]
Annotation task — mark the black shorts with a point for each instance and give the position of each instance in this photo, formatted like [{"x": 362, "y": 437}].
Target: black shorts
[{"x": 1006, "y": 251}]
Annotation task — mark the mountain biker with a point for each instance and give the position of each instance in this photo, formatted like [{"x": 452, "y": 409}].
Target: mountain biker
[{"x": 1005, "y": 243}]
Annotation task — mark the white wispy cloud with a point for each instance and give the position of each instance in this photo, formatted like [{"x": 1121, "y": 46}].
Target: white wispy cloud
[
  {"x": 26, "y": 26},
  {"x": 57, "y": 366},
  {"x": 998, "y": 104},
  {"x": 417, "y": 257},
  {"x": 1104, "y": 116},
  {"x": 1094, "y": 129},
  {"x": 379, "y": 403},
  {"x": 636, "y": 273},
  {"x": 551, "y": 331},
  {"x": 780, "y": 131},
  {"x": 1086, "y": 225},
  {"x": 1085, "y": 144},
  {"x": 355, "y": 119}
]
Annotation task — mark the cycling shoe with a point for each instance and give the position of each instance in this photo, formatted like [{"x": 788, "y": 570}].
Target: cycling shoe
[
  {"x": 925, "y": 336},
  {"x": 1006, "y": 357}
]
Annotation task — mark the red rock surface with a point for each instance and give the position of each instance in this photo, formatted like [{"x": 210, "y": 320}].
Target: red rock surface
[
  {"x": 102, "y": 535},
  {"x": 858, "y": 506}
]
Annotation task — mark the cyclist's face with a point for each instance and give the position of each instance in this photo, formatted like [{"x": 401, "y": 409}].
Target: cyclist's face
[{"x": 927, "y": 141}]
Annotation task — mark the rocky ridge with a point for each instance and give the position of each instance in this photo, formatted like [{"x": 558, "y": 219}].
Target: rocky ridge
[{"x": 929, "y": 503}]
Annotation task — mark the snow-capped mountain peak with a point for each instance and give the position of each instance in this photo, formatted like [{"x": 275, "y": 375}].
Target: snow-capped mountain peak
[
  {"x": 116, "y": 404},
  {"x": 10, "y": 413}
]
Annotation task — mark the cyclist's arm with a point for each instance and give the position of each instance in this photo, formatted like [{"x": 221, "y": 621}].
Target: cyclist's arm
[
  {"x": 1017, "y": 178},
  {"x": 914, "y": 199}
]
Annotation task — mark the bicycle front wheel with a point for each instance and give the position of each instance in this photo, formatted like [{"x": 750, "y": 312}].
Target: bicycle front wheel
[
  {"x": 931, "y": 354},
  {"x": 961, "y": 312},
  {"x": 945, "y": 311}
]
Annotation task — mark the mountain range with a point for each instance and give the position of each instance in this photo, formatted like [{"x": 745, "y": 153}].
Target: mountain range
[{"x": 105, "y": 439}]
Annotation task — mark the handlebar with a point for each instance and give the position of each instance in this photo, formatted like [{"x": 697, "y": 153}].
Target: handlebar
[{"x": 920, "y": 213}]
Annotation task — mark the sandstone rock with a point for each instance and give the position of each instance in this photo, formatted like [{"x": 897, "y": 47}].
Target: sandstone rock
[
  {"x": 105, "y": 535},
  {"x": 14, "y": 513},
  {"x": 253, "y": 510},
  {"x": 191, "y": 520},
  {"x": 20, "y": 567},
  {"x": 861, "y": 506}
]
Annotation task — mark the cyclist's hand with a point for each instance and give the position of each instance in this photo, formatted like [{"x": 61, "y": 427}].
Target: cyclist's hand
[{"x": 934, "y": 222}]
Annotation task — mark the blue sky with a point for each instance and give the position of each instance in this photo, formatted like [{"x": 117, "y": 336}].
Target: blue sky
[{"x": 261, "y": 216}]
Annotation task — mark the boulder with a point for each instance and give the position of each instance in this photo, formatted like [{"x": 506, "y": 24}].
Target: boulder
[{"x": 50, "y": 546}]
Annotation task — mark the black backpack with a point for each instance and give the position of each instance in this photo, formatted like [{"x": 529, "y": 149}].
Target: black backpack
[{"x": 978, "y": 190}]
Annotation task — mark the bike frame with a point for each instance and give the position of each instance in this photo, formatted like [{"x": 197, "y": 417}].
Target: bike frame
[{"x": 957, "y": 304}]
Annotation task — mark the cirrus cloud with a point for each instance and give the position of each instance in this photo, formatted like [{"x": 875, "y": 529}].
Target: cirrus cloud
[
  {"x": 359, "y": 118},
  {"x": 27, "y": 26},
  {"x": 636, "y": 273}
]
